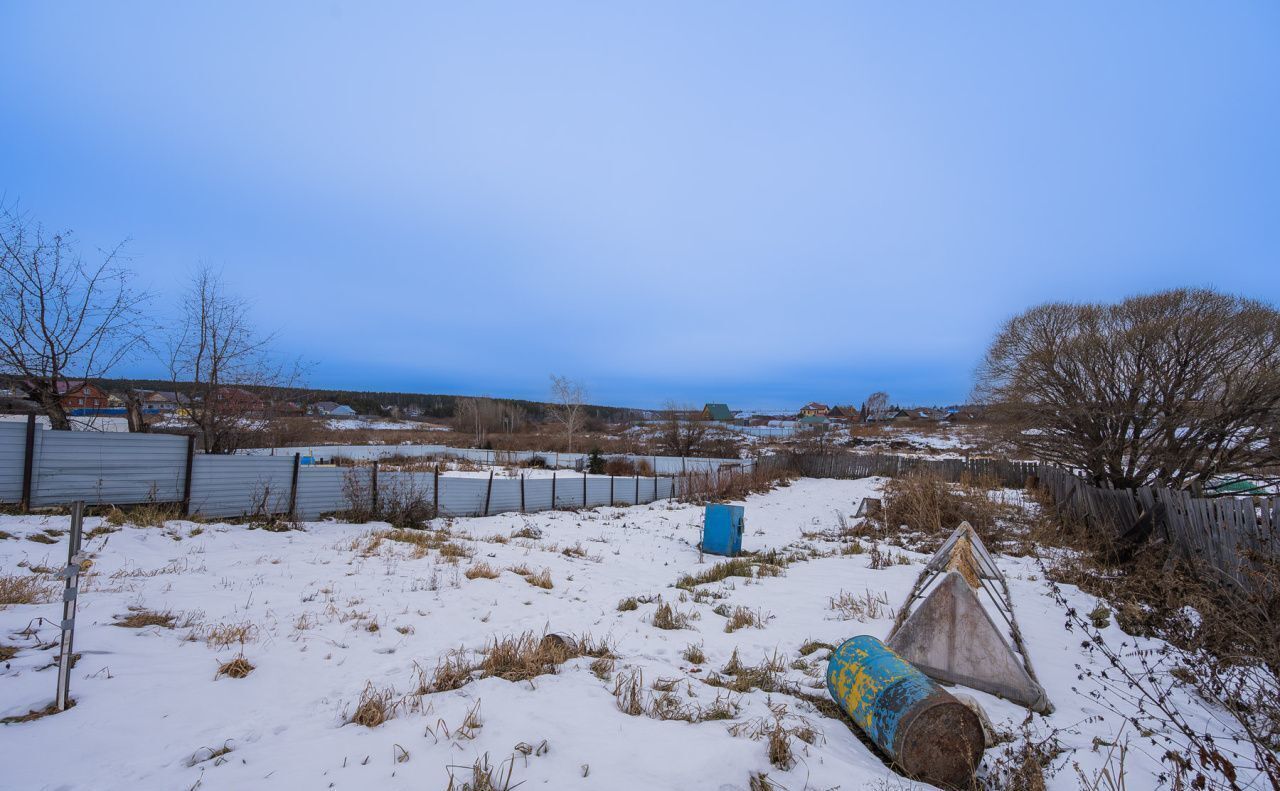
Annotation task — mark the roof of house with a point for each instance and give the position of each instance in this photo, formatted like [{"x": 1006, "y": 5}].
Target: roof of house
[
  {"x": 65, "y": 385},
  {"x": 813, "y": 420},
  {"x": 718, "y": 411},
  {"x": 814, "y": 405},
  {"x": 326, "y": 406}
]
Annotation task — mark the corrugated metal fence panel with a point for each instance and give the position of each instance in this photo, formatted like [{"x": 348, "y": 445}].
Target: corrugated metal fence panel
[
  {"x": 537, "y": 494},
  {"x": 462, "y": 496},
  {"x": 322, "y": 490},
  {"x": 597, "y": 491},
  {"x": 240, "y": 485},
  {"x": 109, "y": 468},
  {"x": 506, "y": 495},
  {"x": 13, "y": 448}
]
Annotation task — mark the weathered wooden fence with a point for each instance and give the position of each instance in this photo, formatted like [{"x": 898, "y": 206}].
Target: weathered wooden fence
[
  {"x": 1235, "y": 539},
  {"x": 866, "y": 465}
]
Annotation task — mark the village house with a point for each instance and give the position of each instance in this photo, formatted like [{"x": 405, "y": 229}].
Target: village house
[
  {"x": 332, "y": 409},
  {"x": 75, "y": 395},
  {"x": 717, "y": 412},
  {"x": 814, "y": 409}
]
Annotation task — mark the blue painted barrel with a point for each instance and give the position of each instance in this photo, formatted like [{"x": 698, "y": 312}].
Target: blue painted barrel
[{"x": 924, "y": 730}]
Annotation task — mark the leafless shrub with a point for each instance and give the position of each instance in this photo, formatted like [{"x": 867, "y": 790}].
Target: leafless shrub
[
  {"x": 727, "y": 484},
  {"x": 1177, "y": 387},
  {"x": 483, "y": 776}
]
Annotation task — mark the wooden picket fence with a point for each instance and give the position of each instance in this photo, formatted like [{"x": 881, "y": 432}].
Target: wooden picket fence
[{"x": 1236, "y": 540}]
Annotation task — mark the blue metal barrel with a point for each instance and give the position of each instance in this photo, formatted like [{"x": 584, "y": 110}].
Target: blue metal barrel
[{"x": 924, "y": 730}]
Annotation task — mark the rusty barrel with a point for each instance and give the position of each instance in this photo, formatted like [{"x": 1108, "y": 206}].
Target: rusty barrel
[{"x": 925, "y": 731}]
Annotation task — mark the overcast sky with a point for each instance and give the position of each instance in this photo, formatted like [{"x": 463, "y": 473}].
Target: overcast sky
[{"x": 755, "y": 203}]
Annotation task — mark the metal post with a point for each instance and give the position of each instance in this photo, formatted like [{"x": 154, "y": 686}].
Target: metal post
[
  {"x": 488, "y": 492},
  {"x": 655, "y": 488},
  {"x": 293, "y": 489},
  {"x": 373, "y": 487},
  {"x": 553, "y": 490},
  {"x": 611, "y": 500},
  {"x": 186, "y": 477},
  {"x": 28, "y": 462},
  {"x": 637, "y": 490},
  {"x": 72, "y": 575},
  {"x": 435, "y": 492},
  {"x": 584, "y": 490},
  {"x": 522, "y": 493}
]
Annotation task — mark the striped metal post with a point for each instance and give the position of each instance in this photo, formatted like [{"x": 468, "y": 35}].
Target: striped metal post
[{"x": 72, "y": 574}]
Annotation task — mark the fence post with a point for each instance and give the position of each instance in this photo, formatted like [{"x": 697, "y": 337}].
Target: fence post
[
  {"x": 637, "y": 490},
  {"x": 373, "y": 487},
  {"x": 28, "y": 462},
  {"x": 69, "y": 593},
  {"x": 488, "y": 492},
  {"x": 611, "y": 500},
  {"x": 522, "y": 493},
  {"x": 584, "y": 490},
  {"x": 293, "y": 489},
  {"x": 186, "y": 478},
  {"x": 553, "y": 485},
  {"x": 655, "y": 486},
  {"x": 435, "y": 491}
]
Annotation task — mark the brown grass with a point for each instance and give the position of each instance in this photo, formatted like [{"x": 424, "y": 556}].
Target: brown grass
[
  {"x": 23, "y": 589},
  {"x": 236, "y": 668},
  {"x": 41, "y": 538},
  {"x": 227, "y": 634},
  {"x": 668, "y": 617},
  {"x": 374, "y": 707},
  {"x": 482, "y": 570},
  {"x": 139, "y": 619},
  {"x": 521, "y": 657},
  {"x": 744, "y": 618},
  {"x": 925, "y": 502}
]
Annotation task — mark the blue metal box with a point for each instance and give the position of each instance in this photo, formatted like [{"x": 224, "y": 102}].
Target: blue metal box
[{"x": 722, "y": 529}]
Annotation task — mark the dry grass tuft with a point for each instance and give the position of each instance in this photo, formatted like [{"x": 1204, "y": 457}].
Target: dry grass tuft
[
  {"x": 867, "y": 607},
  {"x": 227, "y": 634},
  {"x": 482, "y": 570},
  {"x": 139, "y": 619},
  {"x": 483, "y": 776},
  {"x": 538, "y": 579},
  {"x": 628, "y": 604},
  {"x": 453, "y": 671},
  {"x": 23, "y": 589},
  {"x": 744, "y": 618},
  {"x": 236, "y": 668},
  {"x": 374, "y": 707},
  {"x": 668, "y": 617},
  {"x": 694, "y": 654}
]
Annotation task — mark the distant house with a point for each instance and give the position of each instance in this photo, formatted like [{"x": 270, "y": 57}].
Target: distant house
[
  {"x": 814, "y": 422},
  {"x": 717, "y": 412},
  {"x": 846, "y": 412},
  {"x": 237, "y": 399},
  {"x": 332, "y": 409},
  {"x": 890, "y": 415},
  {"x": 158, "y": 402},
  {"x": 814, "y": 409},
  {"x": 76, "y": 394}
]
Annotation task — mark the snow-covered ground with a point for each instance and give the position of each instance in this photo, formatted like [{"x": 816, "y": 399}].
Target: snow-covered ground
[
  {"x": 328, "y": 611},
  {"x": 380, "y": 424}
]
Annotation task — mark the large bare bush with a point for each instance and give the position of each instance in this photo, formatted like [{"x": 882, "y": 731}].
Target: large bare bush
[{"x": 1176, "y": 388}]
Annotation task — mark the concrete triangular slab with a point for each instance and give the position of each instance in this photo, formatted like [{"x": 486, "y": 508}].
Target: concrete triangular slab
[
  {"x": 952, "y": 638},
  {"x": 986, "y": 566}
]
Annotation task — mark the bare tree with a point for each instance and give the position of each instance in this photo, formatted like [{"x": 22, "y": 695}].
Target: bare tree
[
  {"x": 61, "y": 317},
  {"x": 876, "y": 404},
  {"x": 568, "y": 405},
  {"x": 683, "y": 430},
  {"x": 219, "y": 361},
  {"x": 1179, "y": 388}
]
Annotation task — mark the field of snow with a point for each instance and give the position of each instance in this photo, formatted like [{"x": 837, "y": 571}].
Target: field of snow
[{"x": 326, "y": 613}]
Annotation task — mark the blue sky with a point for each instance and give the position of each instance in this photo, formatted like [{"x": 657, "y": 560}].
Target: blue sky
[{"x": 759, "y": 203}]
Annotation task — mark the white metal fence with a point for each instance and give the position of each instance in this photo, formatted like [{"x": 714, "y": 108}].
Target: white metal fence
[{"x": 39, "y": 467}]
